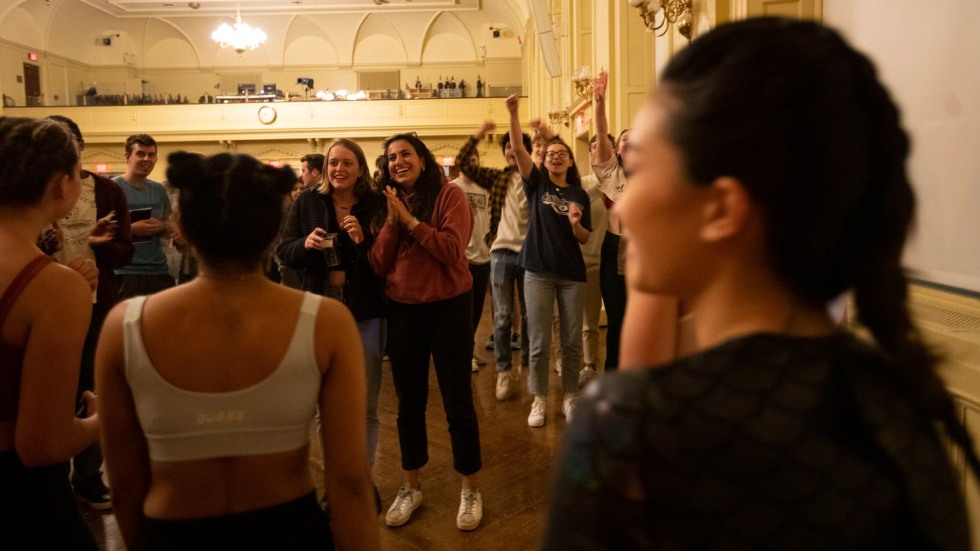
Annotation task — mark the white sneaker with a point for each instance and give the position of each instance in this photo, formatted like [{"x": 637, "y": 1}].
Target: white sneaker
[
  {"x": 470, "y": 509},
  {"x": 474, "y": 365},
  {"x": 586, "y": 375},
  {"x": 536, "y": 418},
  {"x": 568, "y": 406},
  {"x": 558, "y": 366},
  {"x": 407, "y": 501},
  {"x": 503, "y": 385}
]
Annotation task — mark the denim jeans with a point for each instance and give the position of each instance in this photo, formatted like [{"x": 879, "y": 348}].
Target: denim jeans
[
  {"x": 591, "y": 351},
  {"x": 373, "y": 335},
  {"x": 504, "y": 273},
  {"x": 481, "y": 275},
  {"x": 541, "y": 291}
]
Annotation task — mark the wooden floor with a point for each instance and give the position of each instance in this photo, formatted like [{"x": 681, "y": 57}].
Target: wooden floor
[{"x": 515, "y": 480}]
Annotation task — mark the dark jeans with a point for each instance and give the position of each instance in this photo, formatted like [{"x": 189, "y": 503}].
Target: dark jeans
[
  {"x": 441, "y": 330},
  {"x": 613, "y": 287},
  {"x": 481, "y": 276}
]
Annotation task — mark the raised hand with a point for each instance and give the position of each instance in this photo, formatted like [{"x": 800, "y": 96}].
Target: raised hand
[
  {"x": 104, "y": 230},
  {"x": 353, "y": 228},
  {"x": 486, "y": 128},
  {"x": 599, "y": 91},
  {"x": 397, "y": 213},
  {"x": 512, "y": 102},
  {"x": 574, "y": 213}
]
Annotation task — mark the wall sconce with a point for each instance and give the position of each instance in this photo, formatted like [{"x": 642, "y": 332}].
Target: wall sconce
[
  {"x": 677, "y": 12},
  {"x": 583, "y": 82},
  {"x": 556, "y": 115}
]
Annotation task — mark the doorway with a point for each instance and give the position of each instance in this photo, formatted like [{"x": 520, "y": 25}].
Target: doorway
[{"x": 32, "y": 85}]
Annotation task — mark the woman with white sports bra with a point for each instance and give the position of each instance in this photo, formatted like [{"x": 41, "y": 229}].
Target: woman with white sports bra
[{"x": 210, "y": 387}]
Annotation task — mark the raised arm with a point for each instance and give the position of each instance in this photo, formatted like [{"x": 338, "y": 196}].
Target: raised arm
[
  {"x": 117, "y": 251},
  {"x": 604, "y": 149},
  {"x": 482, "y": 176},
  {"x": 523, "y": 157}
]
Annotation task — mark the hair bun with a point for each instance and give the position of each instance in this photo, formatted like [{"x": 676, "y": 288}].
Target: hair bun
[{"x": 184, "y": 169}]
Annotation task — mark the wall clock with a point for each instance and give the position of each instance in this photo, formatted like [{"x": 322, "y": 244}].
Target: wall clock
[{"x": 267, "y": 114}]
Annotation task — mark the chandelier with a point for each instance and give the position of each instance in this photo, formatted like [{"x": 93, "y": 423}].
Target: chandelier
[{"x": 241, "y": 38}]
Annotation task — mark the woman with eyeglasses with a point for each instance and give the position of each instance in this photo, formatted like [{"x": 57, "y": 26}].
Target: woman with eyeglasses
[
  {"x": 420, "y": 251},
  {"x": 757, "y": 200},
  {"x": 560, "y": 223}
]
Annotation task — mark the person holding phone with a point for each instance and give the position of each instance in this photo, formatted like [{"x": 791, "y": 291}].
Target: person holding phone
[{"x": 327, "y": 236}]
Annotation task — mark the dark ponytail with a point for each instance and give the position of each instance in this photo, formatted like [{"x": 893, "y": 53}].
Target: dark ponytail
[{"x": 801, "y": 119}]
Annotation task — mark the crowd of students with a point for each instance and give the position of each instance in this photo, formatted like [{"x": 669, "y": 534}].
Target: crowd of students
[{"x": 772, "y": 426}]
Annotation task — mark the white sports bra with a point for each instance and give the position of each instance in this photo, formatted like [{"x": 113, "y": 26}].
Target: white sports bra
[{"x": 270, "y": 416}]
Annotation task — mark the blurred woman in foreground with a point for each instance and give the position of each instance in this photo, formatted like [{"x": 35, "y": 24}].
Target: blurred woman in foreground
[{"x": 756, "y": 200}]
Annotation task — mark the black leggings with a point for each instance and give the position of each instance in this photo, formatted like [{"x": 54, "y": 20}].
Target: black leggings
[
  {"x": 41, "y": 509},
  {"x": 296, "y": 524}
]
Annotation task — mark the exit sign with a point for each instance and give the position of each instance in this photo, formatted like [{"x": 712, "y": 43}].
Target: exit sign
[{"x": 32, "y": 56}]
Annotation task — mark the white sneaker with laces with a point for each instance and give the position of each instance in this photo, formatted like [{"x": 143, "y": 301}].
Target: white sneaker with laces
[
  {"x": 536, "y": 418},
  {"x": 470, "y": 509},
  {"x": 503, "y": 385},
  {"x": 587, "y": 374},
  {"x": 407, "y": 501},
  {"x": 568, "y": 406}
]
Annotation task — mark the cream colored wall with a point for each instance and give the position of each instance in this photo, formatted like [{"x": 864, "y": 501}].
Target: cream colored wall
[
  {"x": 299, "y": 128},
  {"x": 177, "y": 56},
  {"x": 287, "y": 152}
]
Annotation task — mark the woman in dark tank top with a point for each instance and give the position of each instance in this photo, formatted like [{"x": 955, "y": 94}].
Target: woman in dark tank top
[{"x": 44, "y": 315}]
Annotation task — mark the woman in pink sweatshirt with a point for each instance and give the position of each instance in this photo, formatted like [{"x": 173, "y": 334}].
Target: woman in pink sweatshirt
[{"x": 420, "y": 252}]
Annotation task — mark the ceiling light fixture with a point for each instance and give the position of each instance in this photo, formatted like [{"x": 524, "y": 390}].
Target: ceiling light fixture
[{"x": 241, "y": 38}]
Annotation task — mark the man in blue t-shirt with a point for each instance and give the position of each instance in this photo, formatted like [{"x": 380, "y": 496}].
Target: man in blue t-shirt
[{"x": 149, "y": 209}]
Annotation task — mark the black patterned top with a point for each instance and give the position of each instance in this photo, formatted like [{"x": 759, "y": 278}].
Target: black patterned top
[{"x": 764, "y": 442}]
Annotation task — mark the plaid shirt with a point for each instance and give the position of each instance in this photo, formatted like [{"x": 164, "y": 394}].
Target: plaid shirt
[{"x": 493, "y": 180}]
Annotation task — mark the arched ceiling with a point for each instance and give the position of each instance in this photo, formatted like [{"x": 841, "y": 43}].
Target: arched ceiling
[{"x": 142, "y": 32}]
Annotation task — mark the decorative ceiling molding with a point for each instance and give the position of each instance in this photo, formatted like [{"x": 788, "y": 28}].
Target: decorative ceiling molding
[{"x": 211, "y": 8}]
